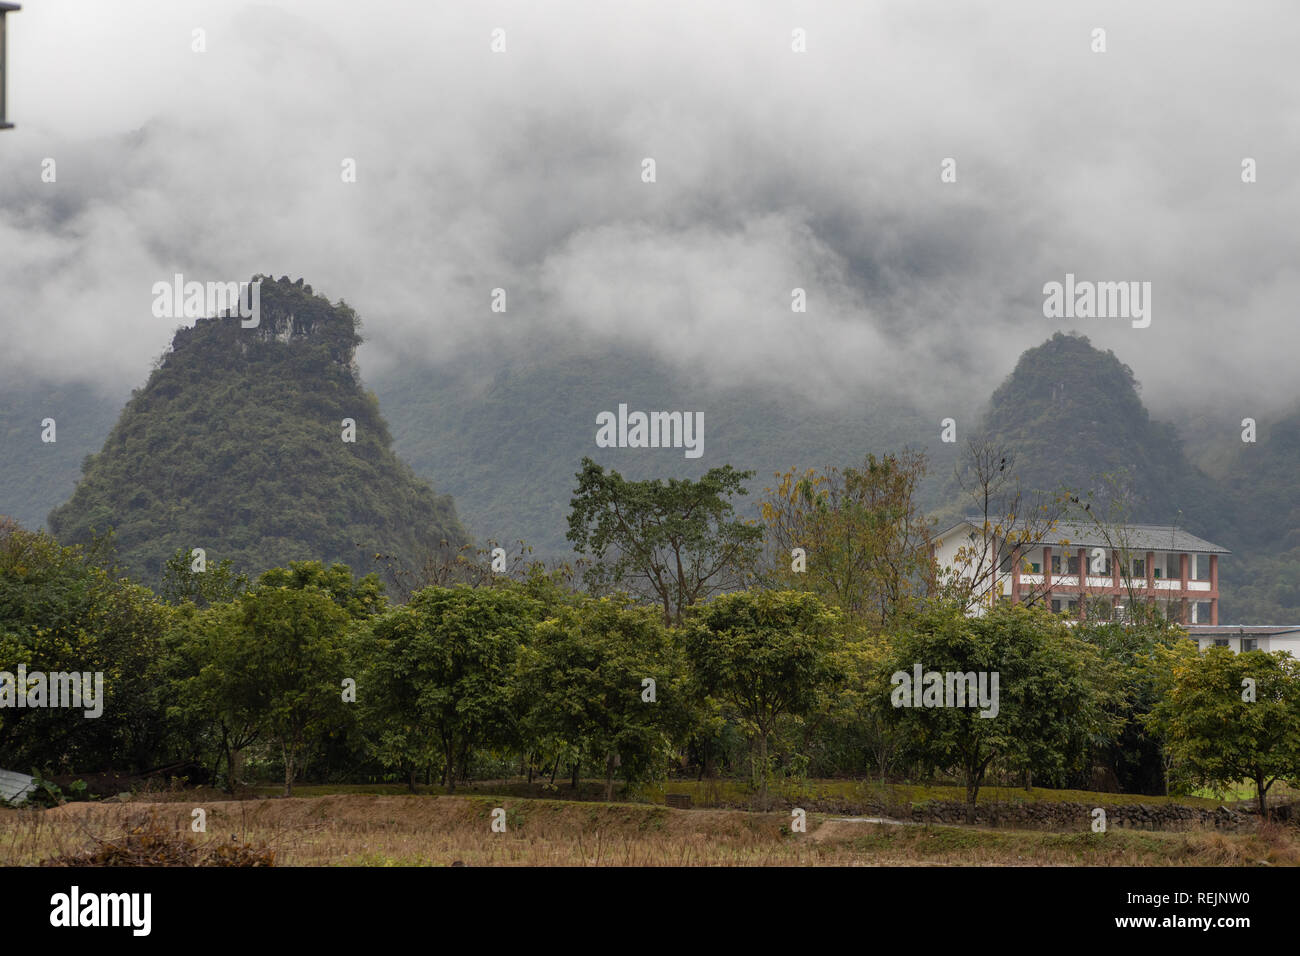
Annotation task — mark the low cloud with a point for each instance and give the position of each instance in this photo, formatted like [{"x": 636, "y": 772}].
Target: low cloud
[{"x": 775, "y": 170}]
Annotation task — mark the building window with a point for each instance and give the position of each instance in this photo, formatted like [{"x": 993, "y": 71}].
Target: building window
[
  {"x": 1139, "y": 568},
  {"x": 1173, "y": 568},
  {"x": 1249, "y": 644},
  {"x": 1220, "y": 642},
  {"x": 1035, "y": 568},
  {"x": 1056, "y": 564},
  {"x": 1074, "y": 564},
  {"x": 1056, "y": 606}
]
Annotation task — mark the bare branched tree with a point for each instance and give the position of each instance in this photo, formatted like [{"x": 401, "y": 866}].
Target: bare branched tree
[
  {"x": 474, "y": 566},
  {"x": 1008, "y": 519}
]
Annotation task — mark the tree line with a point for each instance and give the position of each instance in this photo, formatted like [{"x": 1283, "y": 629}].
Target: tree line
[{"x": 684, "y": 641}]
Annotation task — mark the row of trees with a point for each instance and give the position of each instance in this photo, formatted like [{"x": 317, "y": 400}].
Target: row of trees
[
  {"x": 313, "y": 670},
  {"x": 685, "y": 639}
]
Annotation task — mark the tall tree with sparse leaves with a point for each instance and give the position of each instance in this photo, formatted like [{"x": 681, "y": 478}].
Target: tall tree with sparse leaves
[{"x": 675, "y": 542}]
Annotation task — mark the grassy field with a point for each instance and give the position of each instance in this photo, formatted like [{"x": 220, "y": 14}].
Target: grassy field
[{"x": 368, "y": 829}]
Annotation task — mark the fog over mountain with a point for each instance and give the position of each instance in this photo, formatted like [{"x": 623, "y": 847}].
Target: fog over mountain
[{"x": 774, "y": 170}]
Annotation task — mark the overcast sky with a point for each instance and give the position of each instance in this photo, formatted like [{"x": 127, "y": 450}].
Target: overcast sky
[{"x": 775, "y": 169}]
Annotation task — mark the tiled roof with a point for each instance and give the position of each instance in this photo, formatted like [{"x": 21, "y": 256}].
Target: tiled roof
[{"x": 1133, "y": 537}]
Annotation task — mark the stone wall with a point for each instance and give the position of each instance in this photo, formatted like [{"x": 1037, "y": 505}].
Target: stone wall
[{"x": 1078, "y": 816}]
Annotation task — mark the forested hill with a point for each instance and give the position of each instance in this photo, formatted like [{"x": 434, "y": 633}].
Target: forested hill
[
  {"x": 1073, "y": 416},
  {"x": 236, "y": 445},
  {"x": 1260, "y": 477},
  {"x": 507, "y": 439}
]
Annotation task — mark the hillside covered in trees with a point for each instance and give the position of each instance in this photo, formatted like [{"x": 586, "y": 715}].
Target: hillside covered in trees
[
  {"x": 1259, "y": 478},
  {"x": 1073, "y": 417},
  {"x": 258, "y": 445},
  {"x": 506, "y": 439}
]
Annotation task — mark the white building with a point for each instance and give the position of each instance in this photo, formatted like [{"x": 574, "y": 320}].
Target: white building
[
  {"x": 1075, "y": 563},
  {"x": 1252, "y": 637}
]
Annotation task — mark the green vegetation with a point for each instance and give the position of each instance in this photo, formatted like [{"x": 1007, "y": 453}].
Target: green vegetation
[
  {"x": 691, "y": 644},
  {"x": 1073, "y": 417},
  {"x": 675, "y": 542},
  {"x": 1231, "y": 717},
  {"x": 235, "y": 445},
  {"x": 440, "y": 676},
  {"x": 310, "y": 673},
  {"x": 866, "y": 544},
  {"x": 1071, "y": 414},
  {"x": 1048, "y": 705},
  {"x": 35, "y": 475},
  {"x": 62, "y": 612},
  {"x": 602, "y": 681},
  {"x": 506, "y": 435},
  {"x": 767, "y": 655}
]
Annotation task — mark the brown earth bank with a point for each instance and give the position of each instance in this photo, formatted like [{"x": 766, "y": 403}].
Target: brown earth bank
[{"x": 369, "y": 829}]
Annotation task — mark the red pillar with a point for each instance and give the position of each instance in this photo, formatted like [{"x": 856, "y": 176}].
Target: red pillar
[
  {"x": 1151, "y": 577},
  {"x": 1083, "y": 584},
  {"x": 1214, "y": 589},
  {"x": 1047, "y": 576},
  {"x": 1015, "y": 575},
  {"x": 1114, "y": 582},
  {"x": 1182, "y": 574}
]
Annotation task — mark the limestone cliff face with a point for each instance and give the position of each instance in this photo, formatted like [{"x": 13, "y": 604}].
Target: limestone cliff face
[{"x": 289, "y": 313}]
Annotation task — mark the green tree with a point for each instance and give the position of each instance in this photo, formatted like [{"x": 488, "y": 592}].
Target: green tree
[
  {"x": 1134, "y": 752},
  {"x": 62, "y": 613},
  {"x": 856, "y": 725},
  {"x": 866, "y": 543},
  {"x": 215, "y": 687},
  {"x": 1229, "y": 717},
  {"x": 359, "y": 597},
  {"x": 442, "y": 670},
  {"x": 291, "y": 644},
  {"x": 218, "y": 583},
  {"x": 583, "y": 688},
  {"x": 674, "y": 542},
  {"x": 766, "y": 654},
  {"x": 1048, "y": 703}
]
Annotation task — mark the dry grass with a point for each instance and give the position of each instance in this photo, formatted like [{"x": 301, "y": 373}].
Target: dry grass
[{"x": 380, "y": 830}]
